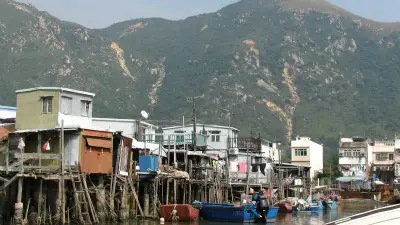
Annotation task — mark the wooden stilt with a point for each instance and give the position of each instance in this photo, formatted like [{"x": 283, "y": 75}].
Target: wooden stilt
[
  {"x": 175, "y": 202},
  {"x": 40, "y": 202},
  {"x": 167, "y": 193}
]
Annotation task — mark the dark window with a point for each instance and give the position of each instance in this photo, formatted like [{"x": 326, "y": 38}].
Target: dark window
[{"x": 85, "y": 108}]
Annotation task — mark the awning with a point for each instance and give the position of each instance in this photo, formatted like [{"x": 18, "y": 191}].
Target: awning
[
  {"x": 99, "y": 142},
  {"x": 152, "y": 147},
  {"x": 348, "y": 179}
]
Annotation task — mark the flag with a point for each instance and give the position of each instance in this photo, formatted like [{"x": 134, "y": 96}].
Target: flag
[
  {"x": 46, "y": 146},
  {"x": 21, "y": 143}
]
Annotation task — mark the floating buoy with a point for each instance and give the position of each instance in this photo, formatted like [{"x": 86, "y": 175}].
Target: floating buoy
[{"x": 162, "y": 221}]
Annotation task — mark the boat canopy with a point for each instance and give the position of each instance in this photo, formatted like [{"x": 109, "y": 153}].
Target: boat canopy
[{"x": 348, "y": 179}]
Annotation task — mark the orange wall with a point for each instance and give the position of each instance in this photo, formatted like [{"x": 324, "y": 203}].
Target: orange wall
[{"x": 96, "y": 160}]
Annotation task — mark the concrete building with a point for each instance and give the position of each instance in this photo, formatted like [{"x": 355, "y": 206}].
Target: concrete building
[
  {"x": 52, "y": 105},
  {"x": 397, "y": 158},
  {"x": 128, "y": 127},
  {"x": 355, "y": 158},
  {"x": 218, "y": 138},
  {"x": 307, "y": 153},
  {"x": 383, "y": 160}
]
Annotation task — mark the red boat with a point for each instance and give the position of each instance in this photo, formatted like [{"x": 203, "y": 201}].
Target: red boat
[
  {"x": 284, "y": 207},
  {"x": 179, "y": 212}
]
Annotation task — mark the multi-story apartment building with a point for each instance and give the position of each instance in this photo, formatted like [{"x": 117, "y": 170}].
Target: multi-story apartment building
[
  {"x": 397, "y": 158},
  {"x": 355, "y": 158},
  {"x": 307, "y": 153},
  {"x": 383, "y": 159}
]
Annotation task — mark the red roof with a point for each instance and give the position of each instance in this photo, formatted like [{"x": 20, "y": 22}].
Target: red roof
[{"x": 4, "y": 130}]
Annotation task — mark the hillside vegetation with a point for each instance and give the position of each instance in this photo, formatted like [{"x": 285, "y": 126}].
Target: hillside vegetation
[{"x": 284, "y": 67}]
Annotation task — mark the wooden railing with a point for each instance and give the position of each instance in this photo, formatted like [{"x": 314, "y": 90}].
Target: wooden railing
[{"x": 19, "y": 162}]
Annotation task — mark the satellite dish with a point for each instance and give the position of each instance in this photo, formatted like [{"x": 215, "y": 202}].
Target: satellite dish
[{"x": 144, "y": 114}]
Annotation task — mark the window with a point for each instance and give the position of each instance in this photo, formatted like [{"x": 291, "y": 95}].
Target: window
[
  {"x": 66, "y": 105},
  {"x": 159, "y": 138},
  {"x": 390, "y": 156},
  {"x": 47, "y": 104},
  {"x": 85, "y": 108},
  {"x": 356, "y": 153},
  {"x": 381, "y": 157},
  {"x": 179, "y": 136},
  {"x": 215, "y": 136},
  {"x": 300, "y": 152}
]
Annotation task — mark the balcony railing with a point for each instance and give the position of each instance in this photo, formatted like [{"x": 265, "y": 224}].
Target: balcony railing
[
  {"x": 175, "y": 139},
  {"x": 252, "y": 144}
]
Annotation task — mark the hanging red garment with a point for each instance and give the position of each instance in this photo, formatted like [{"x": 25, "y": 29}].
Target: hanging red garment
[{"x": 46, "y": 146}]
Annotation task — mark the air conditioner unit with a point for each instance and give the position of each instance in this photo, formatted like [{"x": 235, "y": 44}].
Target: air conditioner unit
[{"x": 233, "y": 151}]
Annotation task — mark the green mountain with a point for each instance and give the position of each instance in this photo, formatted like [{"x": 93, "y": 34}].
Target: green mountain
[{"x": 283, "y": 67}]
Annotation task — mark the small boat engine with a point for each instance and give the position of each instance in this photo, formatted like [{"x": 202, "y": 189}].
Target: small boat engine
[{"x": 262, "y": 208}]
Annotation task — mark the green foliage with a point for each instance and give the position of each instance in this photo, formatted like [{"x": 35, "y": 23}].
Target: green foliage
[{"x": 344, "y": 70}]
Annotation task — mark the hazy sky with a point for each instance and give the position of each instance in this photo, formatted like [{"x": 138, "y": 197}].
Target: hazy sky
[{"x": 102, "y": 13}]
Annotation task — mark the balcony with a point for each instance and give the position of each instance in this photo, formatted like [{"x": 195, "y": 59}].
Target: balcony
[
  {"x": 352, "y": 161},
  {"x": 253, "y": 144},
  {"x": 175, "y": 139},
  {"x": 383, "y": 159}
]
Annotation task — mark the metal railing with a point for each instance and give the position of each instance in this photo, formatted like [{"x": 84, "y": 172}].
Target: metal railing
[
  {"x": 252, "y": 143},
  {"x": 177, "y": 139}
]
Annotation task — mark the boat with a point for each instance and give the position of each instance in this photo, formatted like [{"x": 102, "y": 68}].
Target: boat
[
  {"x": 284, "y": 207},
  {"x": 226, "y": 212},
  {"x": 327, "y": 204},
  {"x": 179, "y": 212},
  {"x": 272, "y": 213},
  {"x": 302, "y": 206},
  {"x": 385, "y": 215},
  {"x": 251, "y": 212}
]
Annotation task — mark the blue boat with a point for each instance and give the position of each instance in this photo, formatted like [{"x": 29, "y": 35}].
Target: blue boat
[
  {"x": 272, "y": 213},
  {"x": 305, "y": 207},
  {"x": 232, "y": 213},
  {"x": 226, "y": 212}
]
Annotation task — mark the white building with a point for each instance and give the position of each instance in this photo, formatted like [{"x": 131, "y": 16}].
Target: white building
[
  {"x": 218, "y": 138},
  {"x": 128, "y": 127},
  {"x": 136, "y": 129},
  {"x": 397, "y": 158},
  {"x": 307, "y": 153},
  {"x": 383, "y": 160},
  {"x": 271, "y": 151},
  {"x": 7, "y": 113},
  {"x": 355, "y": 158}
]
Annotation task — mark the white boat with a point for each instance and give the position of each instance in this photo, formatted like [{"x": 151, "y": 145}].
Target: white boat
[{"x": 383, "y": 216}]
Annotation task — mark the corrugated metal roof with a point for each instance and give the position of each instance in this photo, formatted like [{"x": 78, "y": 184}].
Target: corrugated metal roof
[
  {"x": 8, "y": 107},
  {"x": 55, "y": 89},
  {"x": 39, "y": 130},
  {"x": 123, "y": 120}
]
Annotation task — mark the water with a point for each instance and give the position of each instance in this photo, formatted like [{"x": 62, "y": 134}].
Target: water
[{"x": 346, "y": 208}]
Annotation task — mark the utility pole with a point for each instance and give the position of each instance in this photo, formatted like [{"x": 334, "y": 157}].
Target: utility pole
[
  {"x": 194, "y": 125},
  {"x": 192, "y": 99},
  {"x": 230, "y": 138}
]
